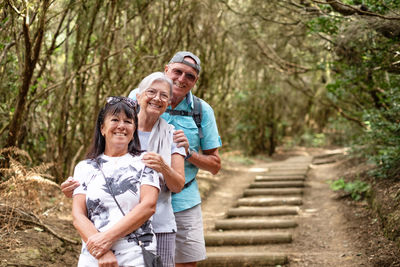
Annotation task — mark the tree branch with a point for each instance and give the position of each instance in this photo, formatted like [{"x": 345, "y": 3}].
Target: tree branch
[
  {"x": 283, "y": 64},
  {"x": 330, "y": 104},
  {"x": 3, "y": 54},
  {"x": 348, "y": 10},
  {"x": 15, "y": 9},
  {"x": 32, "y": 218}
]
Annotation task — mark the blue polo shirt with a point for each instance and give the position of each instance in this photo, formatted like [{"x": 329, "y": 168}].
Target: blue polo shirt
[{"x": 190, "y": 196}]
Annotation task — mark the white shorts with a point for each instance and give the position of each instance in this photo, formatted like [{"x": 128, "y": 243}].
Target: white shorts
[
  {"x": 190, "y": 245},
  {"x": 126, "y": 258}
]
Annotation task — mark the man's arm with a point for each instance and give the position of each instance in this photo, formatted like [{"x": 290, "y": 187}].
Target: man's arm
[
  {"x": 208, "y": 160},
  {"x": 68, "y": 186}
]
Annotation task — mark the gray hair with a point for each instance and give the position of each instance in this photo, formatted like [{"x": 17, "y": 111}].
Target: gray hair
[{"x": 154, "y": 77}]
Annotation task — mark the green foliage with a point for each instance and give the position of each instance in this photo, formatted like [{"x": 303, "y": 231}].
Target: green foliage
[
  {"x": 311, "y": 139},
  {"x": 382, "y": 6},
  {"x": 365, "y": 84},
  {"x": 251, "y": 132},
  {"x": 101, "y": 48},
  {"x": 341, "y": 132},
  {"x": 384, "y": 130},
  {"x": 324, "y": 24},
  {"x": 357, "y": 189},
  {"x": 274, "y": 73}
]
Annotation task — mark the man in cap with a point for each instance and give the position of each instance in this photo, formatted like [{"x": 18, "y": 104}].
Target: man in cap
[{"x": 202, "y": 153}]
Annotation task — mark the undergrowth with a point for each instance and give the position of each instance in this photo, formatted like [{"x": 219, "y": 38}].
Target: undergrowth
[
  {"x": 22, "y": 188},
  {"x": 357, "y": 189}
]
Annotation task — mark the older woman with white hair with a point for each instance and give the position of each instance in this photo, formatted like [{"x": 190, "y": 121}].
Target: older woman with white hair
[
  {"x": 165, "y": 154},
  {"x": 156, "y": 137}
]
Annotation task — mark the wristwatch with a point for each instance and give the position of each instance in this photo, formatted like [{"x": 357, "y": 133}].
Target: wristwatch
[{"x": 190, "y": 153}]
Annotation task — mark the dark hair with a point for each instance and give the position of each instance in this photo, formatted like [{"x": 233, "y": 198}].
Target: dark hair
[{"x": 114, "y": 107}]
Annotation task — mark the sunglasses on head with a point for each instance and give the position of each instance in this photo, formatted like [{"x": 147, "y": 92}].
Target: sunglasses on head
[{"x": 116, "y": 99}]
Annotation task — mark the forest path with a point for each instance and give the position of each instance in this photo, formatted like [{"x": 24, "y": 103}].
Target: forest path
[{"x": 278, "y": 213}]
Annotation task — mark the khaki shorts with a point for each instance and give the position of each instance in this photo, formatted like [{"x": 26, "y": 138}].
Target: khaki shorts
[{"x": 190, "y": 245}]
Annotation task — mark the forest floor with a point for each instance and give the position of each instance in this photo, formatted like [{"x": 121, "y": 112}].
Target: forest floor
[{"x": 333, "y": 230}]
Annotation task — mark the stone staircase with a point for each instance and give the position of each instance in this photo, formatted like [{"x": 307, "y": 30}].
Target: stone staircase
[{"x": 252, "y": 231}]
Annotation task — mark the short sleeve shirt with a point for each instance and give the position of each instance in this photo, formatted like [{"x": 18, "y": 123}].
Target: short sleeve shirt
[
  {"x": 124, "y": 175},
  {"x": 190, "y": 196}
]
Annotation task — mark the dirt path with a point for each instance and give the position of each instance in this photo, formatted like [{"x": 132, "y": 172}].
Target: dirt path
[
  {"x": 323, "y": 235},
  {"x": 329, "y": 232}
]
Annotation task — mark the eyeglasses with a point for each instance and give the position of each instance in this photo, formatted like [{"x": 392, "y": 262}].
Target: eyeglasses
[
  {"x": 189, "y": 76},
  {"x": 112, "y": 100},
  {"x": 152, "y": 93}
]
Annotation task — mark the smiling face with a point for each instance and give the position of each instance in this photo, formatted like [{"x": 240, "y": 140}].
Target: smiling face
[
  {"x": 155, "y": 99},
  {"x": 117, "y": 130},
  {"x": 183, "y": 77}
]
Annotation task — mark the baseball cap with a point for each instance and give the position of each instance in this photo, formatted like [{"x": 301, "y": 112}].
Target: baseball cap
[{"x": 180, "y": 58}]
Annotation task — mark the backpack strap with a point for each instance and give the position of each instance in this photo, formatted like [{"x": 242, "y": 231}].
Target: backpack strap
[
  {"x": 196, "y": 114},
  {"x": 179, "y": 112},
  {"x": 186, "y": 185}
]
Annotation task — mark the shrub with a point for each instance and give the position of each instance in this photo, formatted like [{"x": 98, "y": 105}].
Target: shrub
[{"x": 357, "y": 189}]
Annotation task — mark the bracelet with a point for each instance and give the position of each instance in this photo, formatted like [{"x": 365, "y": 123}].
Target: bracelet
[{"x": 190, "y": 153}]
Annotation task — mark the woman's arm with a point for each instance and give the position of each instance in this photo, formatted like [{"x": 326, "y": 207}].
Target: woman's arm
[
  {"x": 103, "y": 241},
  {"x": 80, "y": 220},
  {"x": 174, "y": 176},
  {"x": 87, "y": 229}
]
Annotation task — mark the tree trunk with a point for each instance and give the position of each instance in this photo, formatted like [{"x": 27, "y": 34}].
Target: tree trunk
[{"x": 31, "y": 58}]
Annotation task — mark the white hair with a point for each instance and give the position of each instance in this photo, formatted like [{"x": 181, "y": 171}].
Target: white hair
[{"x": 154, "y": 77}]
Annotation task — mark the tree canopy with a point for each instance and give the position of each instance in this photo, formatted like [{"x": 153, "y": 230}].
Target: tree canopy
[{"x": 277, "y": 73}]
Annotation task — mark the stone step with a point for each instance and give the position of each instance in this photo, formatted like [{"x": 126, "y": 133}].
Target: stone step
[
  {"x": 266, "y": 178},
  {"x": 248, "y": 259},
  {"x": 297, "y": 160},
  {"x": 327, "y": 155},
  {"x": 285, "y": 173},
  {"x": 288, "y": 169},
  {"x": 262, "y": 211},
  {"x": 235, "y": 238},
  {"x": 301, "y": 168},
  {"x": 291, "y": 164},
  {"x": 272, "y": 191},
  {"x": 249, "y": 224},
  {"x": 324, "y": 161},
  {"x": 277, "y": 184},
  {"x": 269, "y": 201}
]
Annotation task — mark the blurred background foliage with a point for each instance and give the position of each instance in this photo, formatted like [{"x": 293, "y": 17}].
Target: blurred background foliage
[{"x": 277, "y": 73}]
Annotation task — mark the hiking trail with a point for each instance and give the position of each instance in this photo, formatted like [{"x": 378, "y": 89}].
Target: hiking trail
[{"x": 279, "y": 213}]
